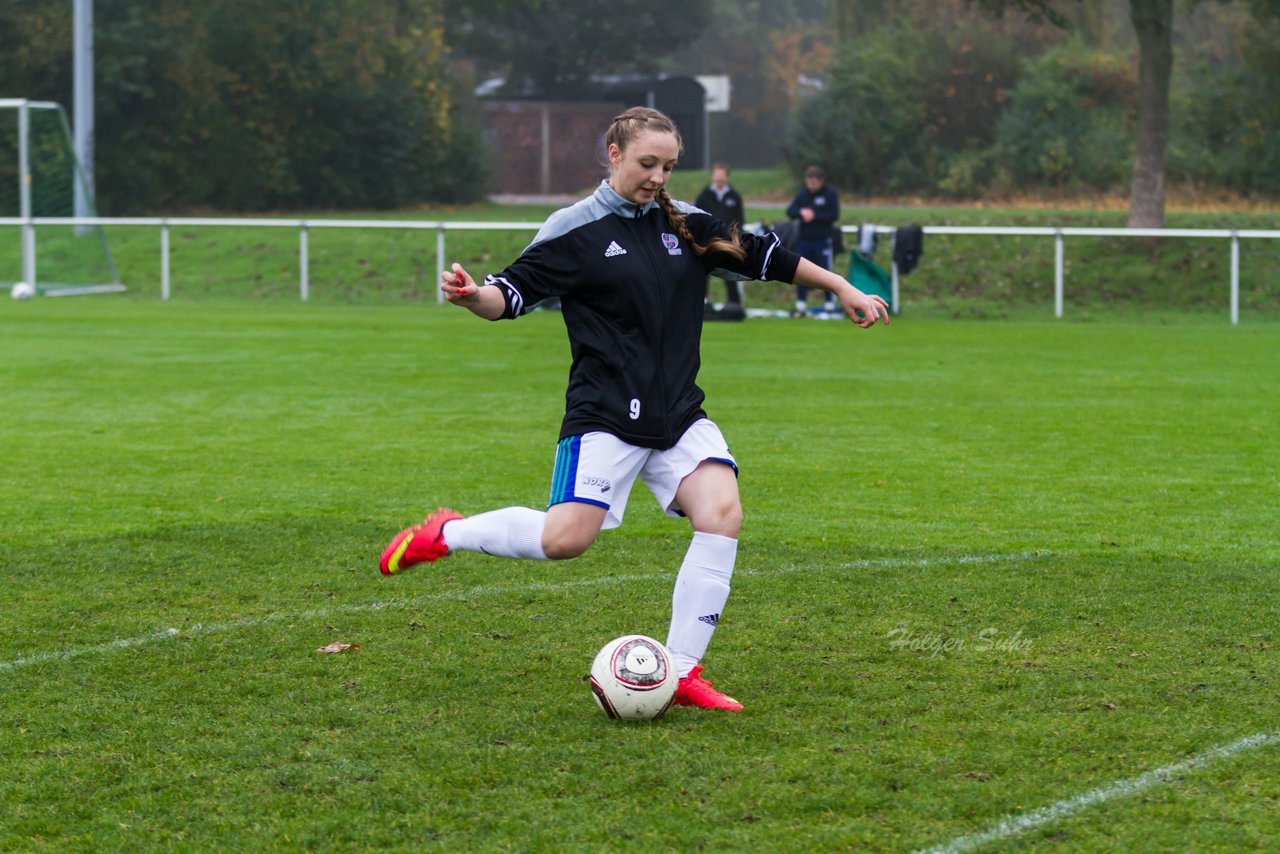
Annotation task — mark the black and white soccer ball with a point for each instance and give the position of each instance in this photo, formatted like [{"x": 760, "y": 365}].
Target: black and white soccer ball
[{"x": 633, "y": 678}]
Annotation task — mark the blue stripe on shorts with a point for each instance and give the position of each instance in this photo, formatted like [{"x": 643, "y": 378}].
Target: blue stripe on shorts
[
  {"x": 566, "y": 471},
  {"x": 565, "y": 476}
]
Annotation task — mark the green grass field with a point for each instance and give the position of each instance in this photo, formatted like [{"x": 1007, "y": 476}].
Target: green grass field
[{"x": 987, "y": 568}]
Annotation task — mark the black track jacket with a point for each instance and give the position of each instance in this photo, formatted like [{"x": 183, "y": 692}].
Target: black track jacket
[
  {"x": 632, "y": 295},
  {"x": 826, "y": 212}
]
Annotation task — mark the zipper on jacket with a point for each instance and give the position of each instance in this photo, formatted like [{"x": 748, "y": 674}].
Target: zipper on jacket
[{"x": 650, "y": 255}]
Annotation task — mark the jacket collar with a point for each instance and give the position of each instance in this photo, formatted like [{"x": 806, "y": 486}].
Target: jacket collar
[{"x": 609, "y": 197}]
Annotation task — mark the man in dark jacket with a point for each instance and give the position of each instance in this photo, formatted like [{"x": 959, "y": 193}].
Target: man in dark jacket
[
  {"x": 817, "y": 207},
  {"x": 725, "y": 204}
]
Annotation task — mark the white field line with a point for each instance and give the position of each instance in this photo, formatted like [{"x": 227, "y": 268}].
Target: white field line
[
  {"x": 1014, "y": 825},
  {"x": 478, "y": 591}
]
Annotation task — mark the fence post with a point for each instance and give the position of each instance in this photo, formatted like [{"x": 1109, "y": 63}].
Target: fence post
[
  {"x": 24, "y": 195},
  {"x": 893, "y": 288},
  {"x": 439, "y": 262},
  {"x": 29, "y": 254},
  {"x": 303, "y": 259},
  {"x": 164, "y": 260},
  {"x": 1235, "y": 278},
  {"x": 1058, "y": 272}
]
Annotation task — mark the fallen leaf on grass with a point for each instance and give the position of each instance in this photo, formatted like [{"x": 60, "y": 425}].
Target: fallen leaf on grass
[{"x": 338, "y": 647}]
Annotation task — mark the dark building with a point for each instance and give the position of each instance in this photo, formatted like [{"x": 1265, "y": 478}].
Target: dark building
[{"x": 555, "y": 145}]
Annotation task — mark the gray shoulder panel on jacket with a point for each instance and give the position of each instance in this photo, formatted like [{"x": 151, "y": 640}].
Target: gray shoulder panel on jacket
[{"x": 580, "y": 213}]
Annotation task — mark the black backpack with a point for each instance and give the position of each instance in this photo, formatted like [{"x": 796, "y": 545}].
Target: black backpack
[{"x": 908, "y": 246}]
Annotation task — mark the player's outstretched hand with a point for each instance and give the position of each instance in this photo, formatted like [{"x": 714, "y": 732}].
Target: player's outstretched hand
[
  {"x": 460, "y": 289},
  {"x": 458, "y": 286},
  {"x": 864, "y": 309}
]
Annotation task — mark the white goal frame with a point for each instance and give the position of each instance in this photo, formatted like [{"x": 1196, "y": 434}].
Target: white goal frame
[{"x": 28, "y": 221}]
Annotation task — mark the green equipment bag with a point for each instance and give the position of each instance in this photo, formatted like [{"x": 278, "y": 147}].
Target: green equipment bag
[{"x": 869, "y": 277}]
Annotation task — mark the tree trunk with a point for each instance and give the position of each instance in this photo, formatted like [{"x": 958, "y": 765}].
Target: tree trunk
[
  {"x": 854, "y": 17},
  {"x": 1153, "y": 22},
  {"x": 846, "y": 18}
]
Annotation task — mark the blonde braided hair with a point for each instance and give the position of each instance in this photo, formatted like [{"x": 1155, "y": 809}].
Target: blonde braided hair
[{"x": 638, "y": 120}]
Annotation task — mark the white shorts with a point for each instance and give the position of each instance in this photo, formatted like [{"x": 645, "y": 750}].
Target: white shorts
[{"x": 600, "y": 469}]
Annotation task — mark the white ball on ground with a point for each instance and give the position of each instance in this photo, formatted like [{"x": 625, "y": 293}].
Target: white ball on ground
[
  {"x": 633, "y": 678},
  {"x": 22, "y": 290}
]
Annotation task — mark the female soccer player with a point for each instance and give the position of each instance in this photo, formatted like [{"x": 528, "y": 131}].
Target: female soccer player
[{"x": 630, "y": 268}]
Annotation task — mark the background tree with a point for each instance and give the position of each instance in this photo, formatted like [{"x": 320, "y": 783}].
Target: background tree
[
  {"x": 1153, "y": 24},
  {"x": 1226, "y": 107},
  {"x": 911, "y": 103},
  {"x": 774, "y": 52},
  {"x": 233, "y": 105},
  {"x": 237, "y": 105},
  {"x": 1067, "y": 123},
  {"x": 1058, "y": 127}
]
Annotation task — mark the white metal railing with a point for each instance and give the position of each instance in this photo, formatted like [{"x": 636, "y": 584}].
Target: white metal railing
[
  {"x": 441, "y": 227},
  {"x": 1059, "y": 248},
  {"x": 302, "y": 225}
]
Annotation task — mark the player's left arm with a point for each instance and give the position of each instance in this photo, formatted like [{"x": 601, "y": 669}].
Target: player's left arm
[
  {"x": 766, "y": 259},
  {"x": 863, "y": 309}
]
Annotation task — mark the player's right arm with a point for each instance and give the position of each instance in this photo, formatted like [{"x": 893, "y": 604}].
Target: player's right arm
[
  {"x": 460, "y": 289},
  {"x": 548, "y": 267}
]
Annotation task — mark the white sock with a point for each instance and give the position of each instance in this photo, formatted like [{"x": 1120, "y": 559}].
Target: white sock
[
  {"x": 509, "y": 532},
  {"x": 801, "y": 305},
  {"x": 702, "y": 588}
]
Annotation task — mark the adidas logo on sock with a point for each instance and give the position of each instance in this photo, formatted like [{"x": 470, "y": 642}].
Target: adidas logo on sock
[
  {"x": 614, "y": 249},
  {"x": 710, "y": 619}
]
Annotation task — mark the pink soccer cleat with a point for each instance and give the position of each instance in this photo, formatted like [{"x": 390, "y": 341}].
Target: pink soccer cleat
[
  {"x": 693, "y": 690},
  {"x": 419, "y": 544}
]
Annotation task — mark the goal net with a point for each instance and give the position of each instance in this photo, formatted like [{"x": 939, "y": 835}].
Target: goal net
[{"x": 40, "y": 177}]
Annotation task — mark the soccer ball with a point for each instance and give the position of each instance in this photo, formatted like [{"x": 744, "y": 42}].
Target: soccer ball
[
  {"x": 22, "y": 290},
  {"x": 633, "y": 679}
]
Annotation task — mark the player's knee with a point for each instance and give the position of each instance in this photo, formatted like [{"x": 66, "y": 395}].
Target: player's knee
[
  {"x": 736, "y": 517},
  {"x": 566, "y": 543},
  {"x": 731, "y": 519},
  {"x": 723, "y": 517}
]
